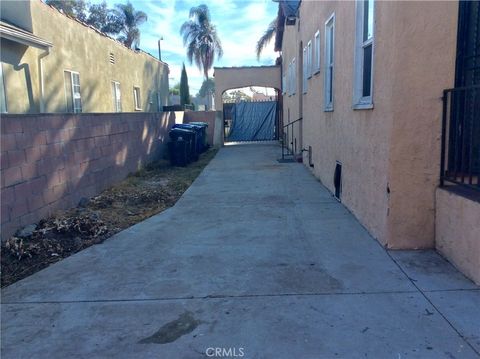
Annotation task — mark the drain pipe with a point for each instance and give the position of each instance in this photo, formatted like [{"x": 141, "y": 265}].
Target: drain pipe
[{"x": 41, "y": 78}]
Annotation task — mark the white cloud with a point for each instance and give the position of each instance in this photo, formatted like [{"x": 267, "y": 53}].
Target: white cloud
[
  {"x": 255, "y": 11},
  {"x": 195, "y": 77}
]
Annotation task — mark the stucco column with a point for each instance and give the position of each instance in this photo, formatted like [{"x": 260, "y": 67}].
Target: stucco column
[{"x": 218, "y": 130}]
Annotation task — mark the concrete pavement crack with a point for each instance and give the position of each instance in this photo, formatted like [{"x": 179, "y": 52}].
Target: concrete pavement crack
[{"x": 210, "y": 296}]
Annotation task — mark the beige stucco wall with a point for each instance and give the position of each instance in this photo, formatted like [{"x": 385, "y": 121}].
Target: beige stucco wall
[
  {"x": 81, "y": 49},
  {"x": 20, "y": 76},
  {"x": 457, "y": 227},
  {"x": 389, "y": 154}
]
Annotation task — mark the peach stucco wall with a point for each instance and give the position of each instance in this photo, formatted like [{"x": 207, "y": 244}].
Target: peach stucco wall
[
  {"x": 457, "y": 227},
  {"x": 424, "y": 66},
  {"x": 390, "y": 154}
]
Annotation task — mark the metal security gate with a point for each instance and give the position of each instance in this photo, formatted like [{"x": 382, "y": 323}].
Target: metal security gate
[
  {"x": 252, "y": 121},
  {"x": 461, "y": 105}
]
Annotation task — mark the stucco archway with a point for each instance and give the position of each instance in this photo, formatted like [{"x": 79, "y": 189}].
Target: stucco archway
[{"x": 227, "y": 78}]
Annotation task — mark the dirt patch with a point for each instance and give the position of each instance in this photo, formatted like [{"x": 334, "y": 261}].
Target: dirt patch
[{"x": 139, "y": 196}]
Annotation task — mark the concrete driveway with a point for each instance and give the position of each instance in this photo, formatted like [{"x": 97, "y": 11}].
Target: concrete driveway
[{"x": 256, "y": 260}]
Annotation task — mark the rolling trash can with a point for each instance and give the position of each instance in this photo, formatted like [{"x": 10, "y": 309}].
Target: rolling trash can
[
  {"x": 178, "y": 152},
  {"x": 182, "y": 146},
  {"x": 198, "y": 146},
  {"x": 203, "y": 132}
]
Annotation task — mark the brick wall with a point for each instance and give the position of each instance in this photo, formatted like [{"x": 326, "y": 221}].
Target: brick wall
[
  {"x": 51, "y": 161},
  {"x": 202, "y": 116}
]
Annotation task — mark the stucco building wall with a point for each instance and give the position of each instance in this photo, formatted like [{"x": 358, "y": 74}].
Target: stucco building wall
[
  {"x": 389, "y": 154},
  {"x": 78, "y": 48},
  {"x": 457, "y": 227}
]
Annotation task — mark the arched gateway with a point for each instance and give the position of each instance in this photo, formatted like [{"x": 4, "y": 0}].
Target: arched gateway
[{"x": 227, "y": 78}]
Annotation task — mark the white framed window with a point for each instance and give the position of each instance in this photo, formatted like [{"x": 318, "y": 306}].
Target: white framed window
[
  {"x": 284, "y": 84},
  {"x": 159, "y": 101},
  {"x": 309, "y": 59},
  {"x": 364, "y": 46},
  {"x": 316, "y": 65},
  {"x": 294, "y": 77},
  {"x": 72, "y": 91},
  {"x": 288, "y": 79},
  {"x": 328, "y": 87},
  {"x": 117, "y": 96},
  {"x": 3, "y": 97},
  {"x": 305, "y": 70},
  {"x": 137, "y": 99}
]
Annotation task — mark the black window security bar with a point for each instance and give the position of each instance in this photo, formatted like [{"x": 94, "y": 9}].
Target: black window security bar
[
  {"x": 289, "y": 142},
  {"x": 460, "y": 163}
]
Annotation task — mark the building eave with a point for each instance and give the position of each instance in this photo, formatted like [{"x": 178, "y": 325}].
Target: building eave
[{"x": 16, "y": 34}]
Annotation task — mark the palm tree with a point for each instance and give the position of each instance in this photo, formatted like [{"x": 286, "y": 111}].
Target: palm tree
[
  {"x": 131, "y": 19},
  {"x": 201, "y": 39},
  {"x": 266, "y": 37}
]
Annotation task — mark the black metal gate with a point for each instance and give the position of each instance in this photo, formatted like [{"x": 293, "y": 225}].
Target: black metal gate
[
  {"x": 461, "y": 106},
  {"x": 251, "y": 121}
]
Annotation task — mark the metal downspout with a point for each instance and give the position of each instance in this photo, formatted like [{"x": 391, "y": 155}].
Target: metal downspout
[{"x": 41, "y": 79}]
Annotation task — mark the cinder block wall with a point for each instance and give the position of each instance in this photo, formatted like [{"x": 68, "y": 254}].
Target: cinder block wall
[{"x": 50, "y": 161}]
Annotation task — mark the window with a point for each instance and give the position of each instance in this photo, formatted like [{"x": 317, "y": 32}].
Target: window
[
  {"x": 284, "y": 84},
  {"x": 309, "y": 59},
  {"x": 294, "y": 77},
  {"x": 287, "y": 79},
  {"x": 363, "y": 88},
  {"x": 316, "y": 66},
  {"x": 3, "y": 97},
  {"x": 117, "y": 98},
  {"x": 159, "y": 101},
  {"x": 305, "y": 70},
  {"x": 72, "y": 91},
  {"x": 136, "y": 98},
  {"x": 329, "y": 63}
]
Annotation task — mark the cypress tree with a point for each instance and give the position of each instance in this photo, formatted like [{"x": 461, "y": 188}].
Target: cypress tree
[{"x": 184, "y": 91}]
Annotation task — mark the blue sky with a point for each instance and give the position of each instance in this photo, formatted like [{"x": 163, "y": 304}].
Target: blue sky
[{"x": 240, "y": 23}]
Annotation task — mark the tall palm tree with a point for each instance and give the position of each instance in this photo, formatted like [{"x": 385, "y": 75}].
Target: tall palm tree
[
  {"x": 131, "y": 19},
  {"x": 201, "y": 39},
  {"x": 266, "y": 37}
]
